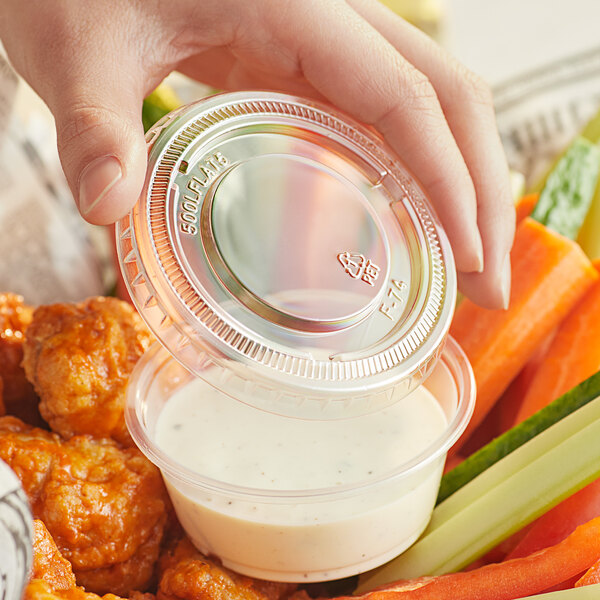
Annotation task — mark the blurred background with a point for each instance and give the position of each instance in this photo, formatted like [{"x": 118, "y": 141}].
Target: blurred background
[{"x": 542, "y": 60}]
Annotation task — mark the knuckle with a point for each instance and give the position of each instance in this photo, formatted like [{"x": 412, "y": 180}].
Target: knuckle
[
  {"x": 420, "y": 89},
  {"x": 414, "y": 93},
  {"x": 475, "y": 89},
  {"x": 82, "y": 121}
]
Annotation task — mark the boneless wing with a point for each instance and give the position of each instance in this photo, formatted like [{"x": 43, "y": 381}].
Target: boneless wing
[
  {"x": 48, "y": 563},
  {"x": 18, "y": 395},
  {"x": 79, "y": 358},
  {"x": 188, "y": 575},
  {"x": 105, "y": 506},
  {"x": 51, "y": 574}
]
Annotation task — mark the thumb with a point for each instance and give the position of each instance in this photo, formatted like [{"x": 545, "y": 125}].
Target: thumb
[{"x": 102, "y": 148}]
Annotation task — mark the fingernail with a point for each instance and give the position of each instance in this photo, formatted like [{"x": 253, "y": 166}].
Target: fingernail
[
  {"x": 505, "y": 276},
  {"x": 97, "y": 179}
]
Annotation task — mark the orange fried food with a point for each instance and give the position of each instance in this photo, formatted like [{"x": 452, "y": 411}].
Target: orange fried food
[
  {"x": 51, "y": 574},
  {"x": 19, "y": 398},
  {"x": 38, "y": 589},
  {"x": 188, "y": 575},
  {"x": 105, "y": 506},
  {"x": 48, "y": 563},
  {"x": 79, "y": 358}
]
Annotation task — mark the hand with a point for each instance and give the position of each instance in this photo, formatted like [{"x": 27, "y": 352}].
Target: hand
[{"x": 93, "y": 63}]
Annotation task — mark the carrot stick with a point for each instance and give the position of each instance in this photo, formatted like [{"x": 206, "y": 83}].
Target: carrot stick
[
  {"x": 483, "y": 434},
  {"x": 513, "y": 397},
  {"x": 567, "y": 584},
  {"x": 506, "y": 580},
  {"x": 550, "y": 274},
  {"x": 573, "y": 356},
  {"x": 525, "y": 205},
  {"x": 591, "y": 576}
]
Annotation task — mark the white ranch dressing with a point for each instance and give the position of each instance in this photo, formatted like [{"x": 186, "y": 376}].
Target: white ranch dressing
[
  {"x": 287, "y": 539},
  {"x": 221, "y": 438}
]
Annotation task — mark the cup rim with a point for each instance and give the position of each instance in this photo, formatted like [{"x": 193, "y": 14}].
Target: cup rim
[{"x": 452, "y": 357}]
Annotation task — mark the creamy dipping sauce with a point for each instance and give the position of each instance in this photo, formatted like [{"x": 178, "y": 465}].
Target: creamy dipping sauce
[
  {"x": 221, "y": 438},
  {"x": 291, "y": 533}
]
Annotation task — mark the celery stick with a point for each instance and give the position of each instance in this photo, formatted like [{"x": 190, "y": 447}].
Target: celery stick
[
  {"x": 506, "y": 443},
  {"x": 566, "y": 198},
  {"x": 588, "y": 592},
  {"x": 503, "y": 499}
]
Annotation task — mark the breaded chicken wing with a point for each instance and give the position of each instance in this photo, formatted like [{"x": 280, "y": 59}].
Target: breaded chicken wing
[
  {"x": 38, "y": 589},
  {"x": 188, "y": 575},
  {"x": 18, "y": 396},
  {"x": 105, "y": 506},
  {"x": 48, "y": 563},
  {"x": 79, "y": 358},
  {"x": 51, "y": 574}
]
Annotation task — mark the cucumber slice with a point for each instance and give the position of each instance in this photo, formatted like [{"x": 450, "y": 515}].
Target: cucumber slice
[
  {"x": 565, "y": 200},
  {"x": 509, "y": 441},
  {"x": 507, "y": 496}
]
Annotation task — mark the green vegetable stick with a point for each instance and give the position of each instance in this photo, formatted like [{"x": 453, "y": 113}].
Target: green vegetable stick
[
  {"x": 565, "y": 200},
  {"x": 503, "y": 499},
  {"x": 509, "y": 441}
]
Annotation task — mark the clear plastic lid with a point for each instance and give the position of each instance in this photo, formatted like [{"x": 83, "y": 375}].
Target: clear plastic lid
[{"x": 280, "y": 251}]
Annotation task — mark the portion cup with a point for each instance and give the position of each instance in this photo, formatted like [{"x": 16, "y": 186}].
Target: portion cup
[
  {"x": 308, "y": 534},
  {"x": 302, "y": 288}
]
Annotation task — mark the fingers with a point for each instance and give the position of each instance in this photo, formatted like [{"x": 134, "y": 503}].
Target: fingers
[
  {"x": 435, "y": 114},
  {"x": 85, "y": 69},
  {"x": 102, "y": 150},
  {"x": 467, "y": 105},
  {"x": 95, "y": 70},
  {"x": 101, "y": 138},
  {"x": 365, "y": 75},
  {"x": 218, "y": 68}
]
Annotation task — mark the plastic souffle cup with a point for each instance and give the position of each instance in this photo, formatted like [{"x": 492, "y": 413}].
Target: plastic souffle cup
[
  {"x": 309, "y": 534},
  {"x": 302, "y": 288}
]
